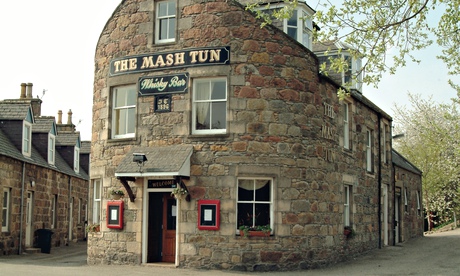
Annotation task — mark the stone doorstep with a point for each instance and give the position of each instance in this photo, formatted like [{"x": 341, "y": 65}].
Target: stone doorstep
[{"x": 32, "y": 250}]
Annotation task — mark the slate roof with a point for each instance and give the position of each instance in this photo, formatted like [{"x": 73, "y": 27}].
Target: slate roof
[
  {"x": 402, "y": 162},
  {"x": 14, "y": 111},
  {"x": 7, "y": 148},
  {"x": 43, "y": 124},
  {"x": 67, "y": 138},
  {"x": 169, "y": 160}
]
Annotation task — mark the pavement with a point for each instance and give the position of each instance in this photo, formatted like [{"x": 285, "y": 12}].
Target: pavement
[{"x": 434, "y": 254}]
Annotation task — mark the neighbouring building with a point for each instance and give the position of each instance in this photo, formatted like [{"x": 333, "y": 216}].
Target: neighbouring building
[
  {"x": 43, "y": 183},
  {"x": 196, "y": 96}
]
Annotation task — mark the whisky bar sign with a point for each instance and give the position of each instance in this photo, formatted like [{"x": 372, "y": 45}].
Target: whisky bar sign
[
  {"x": 167, "y": 84},
  {"x": 170, "y": 60}
]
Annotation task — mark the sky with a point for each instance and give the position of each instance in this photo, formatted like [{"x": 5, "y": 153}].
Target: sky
[{"x": 51, "y": 43}]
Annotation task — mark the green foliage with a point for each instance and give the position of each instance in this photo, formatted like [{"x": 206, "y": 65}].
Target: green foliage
[
  {"x": 117, "y": 192},
  {"x": 431, "y": 142},
  {"x": 385, "y": 34}
]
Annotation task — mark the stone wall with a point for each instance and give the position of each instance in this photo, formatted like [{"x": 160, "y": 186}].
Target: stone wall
[{"x": 276, "y": 121}]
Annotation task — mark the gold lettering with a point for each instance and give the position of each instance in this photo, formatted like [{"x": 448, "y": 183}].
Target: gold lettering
[
  {"x": 203, "y": 56},
  {"x": 215, "y": 55},
  {"x": 117, "y": 65},
  {"x": 169, "y": 59},
  {"x": 124, "y": 65},
  {"x": 160, "y": 62},
  {"x": 132, "y": 64},
  {"x": 193, "y": 54},
  {"x": 180, "y": 58},
  {"x": 147, "y": 62}
]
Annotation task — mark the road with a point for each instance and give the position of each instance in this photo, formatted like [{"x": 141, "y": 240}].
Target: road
[{"x": 435, "y": 254}]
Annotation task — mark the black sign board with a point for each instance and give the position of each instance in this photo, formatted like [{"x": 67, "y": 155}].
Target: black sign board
[
  {"x": 166, "y": 84},
  {"x": 170, "y": 60},
  {"x": 162, "y": 103},
  {"x": 161, "y": 183}
]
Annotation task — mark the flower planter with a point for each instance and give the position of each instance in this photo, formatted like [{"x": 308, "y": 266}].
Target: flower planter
[
  {"x": 116, "y": 197},
  {"x": 180, "y": 196}
]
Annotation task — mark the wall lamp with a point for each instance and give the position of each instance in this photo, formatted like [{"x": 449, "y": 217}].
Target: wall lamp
[{"x": 139, "y": 158}]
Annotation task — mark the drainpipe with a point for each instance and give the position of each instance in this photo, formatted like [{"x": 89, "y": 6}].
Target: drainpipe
[
  {"x": 69, "y": 210},
  {"x": 379, "y": 157},
  {"x": 22, "y": 207}
]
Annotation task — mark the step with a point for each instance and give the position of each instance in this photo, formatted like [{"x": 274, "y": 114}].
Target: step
[{"x": 32, "y": 250}]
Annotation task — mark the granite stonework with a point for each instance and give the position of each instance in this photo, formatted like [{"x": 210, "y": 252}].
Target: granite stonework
[{"x": 284, "y": 121}]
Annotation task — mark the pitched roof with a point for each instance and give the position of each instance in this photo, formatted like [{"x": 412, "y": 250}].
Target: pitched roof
[
  {"x": 14, "y": 111},
  {"x": 43, "y": 124},
  {"x": 67, "y": 138},
  {"x": 167, "y": 161},
  {"x": 402, "y": 162}
]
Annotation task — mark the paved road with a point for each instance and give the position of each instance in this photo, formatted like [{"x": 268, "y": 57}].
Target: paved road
[{"x": 436, "y": 254}]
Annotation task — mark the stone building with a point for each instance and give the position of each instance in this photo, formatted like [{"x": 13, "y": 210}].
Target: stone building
[
  {"x": 43, "y": 185},
  {"x": 195, "y": 95}
]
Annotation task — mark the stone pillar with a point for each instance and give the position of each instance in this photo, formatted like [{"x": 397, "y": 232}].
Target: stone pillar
[
  {"x": 29, "y": 90},
  {"x": 59, "y": 117},
  {"x": 23, "y": 91}
]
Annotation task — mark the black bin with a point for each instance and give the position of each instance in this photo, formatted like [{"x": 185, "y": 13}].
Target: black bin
[{"x": 44, "y": 240}]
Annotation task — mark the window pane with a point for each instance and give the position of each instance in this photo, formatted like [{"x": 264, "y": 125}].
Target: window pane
[
  {"x": 202, "y": 116},
  {"x": 172, "y": 28},
  {"x": 131, "y": 96},
  {"x": 5, "y": 199},
  {"x": 4, "y": 217},
  {"x": 131, "y": 126},
  {"x": 120, "y": 97},
  {"x": 97, "y": 190},
  {"x": 245, "y": 214},
  {"x": 163, "y": 28},
  {"x": 218, "y": 115},
  {"x": 262, "y": 215},
  {"x": 163, "y": 8},
  {"x": 292, "y": 32},
  {"x": 293, "y": 20},
  {"x": 218, "y": 90},
  {"x": 202, "y": 91},
  {"x": 262, "y": 190},
  {"x": 245, "y": 190},
  {"x": 171, "y": 8}
]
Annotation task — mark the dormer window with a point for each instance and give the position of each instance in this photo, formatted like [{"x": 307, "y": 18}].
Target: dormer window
[
  {"x": 354, "y": 67},
  {"x": 76, "y": 159},
  {"x": 27, "y": 139},
  {"x": 51, "y": 148},
  {"x": 299, "y": 26}
]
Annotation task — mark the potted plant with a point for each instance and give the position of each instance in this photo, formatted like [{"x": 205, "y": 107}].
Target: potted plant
[
  {"x": 116, "y": 194},
  {"x": 255, "y": 231},
  {"x": 93, "y": 228},
  {"x": 349, "y": 232},
  {"x": 179, "y": 193}
]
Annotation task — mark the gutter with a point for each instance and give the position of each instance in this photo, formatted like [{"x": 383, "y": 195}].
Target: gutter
[{"x": 379, "y": 182}]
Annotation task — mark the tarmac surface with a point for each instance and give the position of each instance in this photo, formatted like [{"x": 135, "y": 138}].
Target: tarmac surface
[{"x": 434, "y": 254}]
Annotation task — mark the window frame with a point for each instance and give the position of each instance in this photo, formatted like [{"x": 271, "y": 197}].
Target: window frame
[
  {"x": 255, "y": 201},
  {"x": 419, "y": 204},
  {"x": 406, "y": 201},
  {"x": 76, "y": 159},
  {"x": 97, "y": 200},
  {"x": 27, "y": 139},
  {"x": 6, "y": 209},
  {"x": 197, "y": 81},
  {"x": 167, "y": 17},
  {"x": 51, "y": 149},
  {"x": 369, "y": 163},
  {"x": 347, "y": 190},
  {"x": 384, "y": 143},
  {"x": 115, "y": 109}
]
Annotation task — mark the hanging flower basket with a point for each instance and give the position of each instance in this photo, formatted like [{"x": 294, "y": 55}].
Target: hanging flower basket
[
  {"x": 116, "y": 194},
  {"x": 179, "y": 193}
]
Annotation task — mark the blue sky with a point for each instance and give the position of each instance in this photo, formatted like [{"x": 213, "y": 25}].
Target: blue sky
[{"x": 51, "y": 44}]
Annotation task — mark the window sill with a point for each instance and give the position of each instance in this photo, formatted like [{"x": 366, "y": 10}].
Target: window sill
[
  {"x": 209, "y": 136},
  {"x": 121, "y": 140}
]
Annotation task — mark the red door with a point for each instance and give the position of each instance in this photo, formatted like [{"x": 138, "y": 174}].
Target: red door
[{"x": 169, "y": 229}]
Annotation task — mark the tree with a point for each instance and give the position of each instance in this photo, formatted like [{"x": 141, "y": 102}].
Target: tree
[
  {"x": 431, "y": 141},
  {"x": 384, "y": 33}
]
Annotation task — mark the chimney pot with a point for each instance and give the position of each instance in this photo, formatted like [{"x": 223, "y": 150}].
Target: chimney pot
[
  {"x": 23, "y": 91},
  {"x": 29, "y": 90},
  {"x": 59, "y": 117},
  {"x": 69, "y": 117}
]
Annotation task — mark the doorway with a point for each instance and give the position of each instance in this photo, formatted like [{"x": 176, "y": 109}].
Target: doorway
[{"x": 161, "y": 228}]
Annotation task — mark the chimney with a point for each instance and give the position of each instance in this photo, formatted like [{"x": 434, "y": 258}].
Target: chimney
[
  {"x": 69, "y": 117},
  {"x": 29, "y": 90},
  {"x": 59, "y": 117},
  {"x": 23, "y": 91}
]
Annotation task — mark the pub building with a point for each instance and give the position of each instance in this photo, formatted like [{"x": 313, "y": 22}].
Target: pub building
[{"x": 211, "y": 124}]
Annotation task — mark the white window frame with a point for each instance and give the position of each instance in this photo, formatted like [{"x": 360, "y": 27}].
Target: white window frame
[
  {"x": 97, "y": 193},
  {"x": 405, "y": 200},
  {"x": 51, "y": 149},
  {"x": 54, "y": 201},
  {"x": 27, "y": 139},
  {"x": 116, "y": 110},
  {"x": 346, "y": 205},
  {"x": 346, "y": 125},
  {"x": 307, "y": 31},
  {"x": 384, "y": 143},
  {"x": 170, "y": 17},
  {"x": 419, "y": 207},
  {"x": 209, "y": 81},
  {"x": 254, "y": 202},
  {"x": 76, "y": 159},
  {"x": 369, "y": 164},
  {"x": 6, "y": 208}
]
